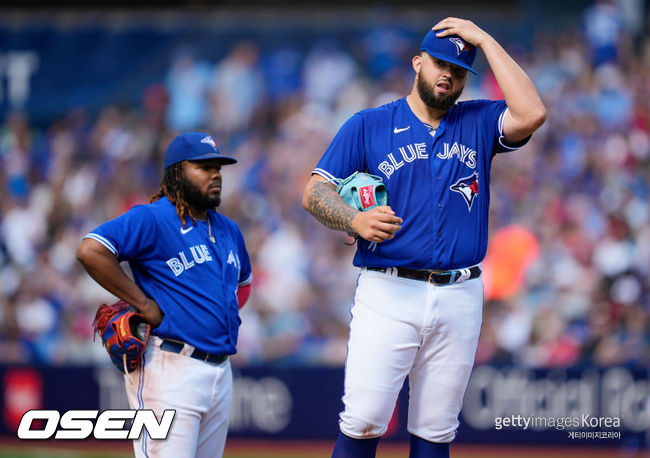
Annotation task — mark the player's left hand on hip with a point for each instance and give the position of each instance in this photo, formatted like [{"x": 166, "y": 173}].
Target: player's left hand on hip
[{"x": 152, "y": 313}]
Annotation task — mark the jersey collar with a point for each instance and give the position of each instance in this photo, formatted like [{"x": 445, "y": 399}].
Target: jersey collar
[{"x": 421, "y": 125}]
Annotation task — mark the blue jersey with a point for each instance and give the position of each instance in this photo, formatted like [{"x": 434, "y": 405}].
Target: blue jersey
[
  {"x": 438, "y": 181},
  {"x": 193, "y": 280}
]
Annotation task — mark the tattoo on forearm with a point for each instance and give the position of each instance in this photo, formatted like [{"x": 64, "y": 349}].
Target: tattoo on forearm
[{"x": 328, "y": 208}]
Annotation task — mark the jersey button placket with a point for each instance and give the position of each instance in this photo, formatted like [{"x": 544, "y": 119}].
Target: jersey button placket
[{"x": 438, "y": 180}]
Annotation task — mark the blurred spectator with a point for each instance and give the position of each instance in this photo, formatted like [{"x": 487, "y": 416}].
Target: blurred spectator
[
  {"x": 282, "y": 68},
  {"x": 386, "y": 45},
  {"x": 236, "y": 89},
  {"x": 604, "y": 28},
  {"x": 187, "y": 84},
  {"x": 327, "y": 72}
]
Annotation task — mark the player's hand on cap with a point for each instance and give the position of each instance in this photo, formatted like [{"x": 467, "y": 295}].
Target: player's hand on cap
[
  {"x": 377, "y": 224},
  {"x": 464, "y": 28}
]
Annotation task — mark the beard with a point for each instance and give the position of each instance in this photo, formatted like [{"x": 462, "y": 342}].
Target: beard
[
  {"x": 429, "y": 97},
  {"x": 197, "y": 199}
]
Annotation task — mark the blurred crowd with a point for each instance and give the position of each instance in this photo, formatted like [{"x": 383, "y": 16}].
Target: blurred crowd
[{"x": 568, "y": 266}]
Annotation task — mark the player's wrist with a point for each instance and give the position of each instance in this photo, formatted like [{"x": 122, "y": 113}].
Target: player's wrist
[
  {"x": 355, "y": 225},
  {"x": 484, "y": 41},
  {"x": 152, "y": 312}
]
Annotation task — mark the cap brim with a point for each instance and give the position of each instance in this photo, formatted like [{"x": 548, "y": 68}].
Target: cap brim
[
  {"x": 451, "y": 60},
  {"x": 220, "y": 157}
]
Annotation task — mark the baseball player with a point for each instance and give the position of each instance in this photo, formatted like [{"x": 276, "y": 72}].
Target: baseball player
[
  {"x": 418, "y": 302},
  {"x": 191, "y": 271}
]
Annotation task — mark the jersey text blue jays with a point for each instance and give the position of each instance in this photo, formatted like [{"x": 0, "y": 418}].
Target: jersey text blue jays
[{"x": 438, "y": 181}]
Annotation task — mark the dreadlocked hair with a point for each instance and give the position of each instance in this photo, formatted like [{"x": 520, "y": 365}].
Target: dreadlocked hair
[{"x": 172, "y": 188}]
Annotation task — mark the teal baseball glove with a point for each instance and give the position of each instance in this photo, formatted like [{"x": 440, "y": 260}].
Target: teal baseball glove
[{"x": 362, "y": 191}]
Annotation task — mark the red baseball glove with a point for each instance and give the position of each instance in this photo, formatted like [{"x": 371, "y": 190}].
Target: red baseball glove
[{"x": 124, "y": 333}]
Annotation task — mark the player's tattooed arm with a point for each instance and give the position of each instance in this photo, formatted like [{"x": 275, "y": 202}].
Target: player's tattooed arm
[{"x": 324, "y": 203}]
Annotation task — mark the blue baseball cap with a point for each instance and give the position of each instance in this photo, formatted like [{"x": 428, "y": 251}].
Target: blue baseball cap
[
  {"x": 194, "y": 146},
  {"x": 452, "y": 49}
]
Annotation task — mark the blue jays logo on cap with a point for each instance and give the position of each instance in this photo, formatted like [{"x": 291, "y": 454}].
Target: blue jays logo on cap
[
  {"x": 194, "y": 146},
  {"x": 452, "y": 49},
  {"x": 461, "y": 45},
  {"x": 210, "y": 142}
]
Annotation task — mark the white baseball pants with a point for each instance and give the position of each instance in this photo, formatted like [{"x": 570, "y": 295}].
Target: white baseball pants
[
  {"x": 409, "y": 327},
  {"x": 201, "y": 394}
]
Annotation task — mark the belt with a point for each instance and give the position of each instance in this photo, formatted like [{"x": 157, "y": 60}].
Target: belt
[
  {"x": 177, "y": 347},
  {"x": 437, "y": 277}
]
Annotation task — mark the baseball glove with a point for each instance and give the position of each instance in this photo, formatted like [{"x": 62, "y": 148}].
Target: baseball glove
[
  {"x": 124, "y": 333},
  {"x": 363, "y": 191}
]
